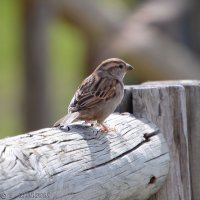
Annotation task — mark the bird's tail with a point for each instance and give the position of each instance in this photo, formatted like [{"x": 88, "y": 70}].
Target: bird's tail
[{"x": 69, "y": 118}]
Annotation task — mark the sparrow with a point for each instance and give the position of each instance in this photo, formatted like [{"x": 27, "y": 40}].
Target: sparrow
[{"x": 98, "y": 95}]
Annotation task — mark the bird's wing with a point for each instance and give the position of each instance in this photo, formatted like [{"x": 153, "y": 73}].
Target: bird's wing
[{"x": 92, "y": 91}]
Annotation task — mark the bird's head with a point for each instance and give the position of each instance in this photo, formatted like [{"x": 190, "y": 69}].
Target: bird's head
[{"x": 113, "y": 68}]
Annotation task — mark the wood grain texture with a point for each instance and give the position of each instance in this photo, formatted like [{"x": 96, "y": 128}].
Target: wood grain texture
[
  {"x": 192, "y": 89},
  {"x": 84, "y": 163},
  {"x": 165, "y": 105},
  {"x": 192, "y": 95}
]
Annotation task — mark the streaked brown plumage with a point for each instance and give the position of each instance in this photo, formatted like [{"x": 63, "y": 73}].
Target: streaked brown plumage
[{"x": 99, "y": 94}]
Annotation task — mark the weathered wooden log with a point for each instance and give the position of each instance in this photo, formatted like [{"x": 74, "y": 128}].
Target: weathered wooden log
[{"x": 130, "y": 162}]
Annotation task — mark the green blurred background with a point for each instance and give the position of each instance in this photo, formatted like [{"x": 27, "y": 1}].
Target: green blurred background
[
  {"x": 63, "y": 53},
  {"x": 61, "y": 41},
  {"x": 11, "y": 82}
]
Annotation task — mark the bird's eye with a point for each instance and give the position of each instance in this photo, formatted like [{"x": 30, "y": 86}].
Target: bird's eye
[{"x": 121, "y": 66}]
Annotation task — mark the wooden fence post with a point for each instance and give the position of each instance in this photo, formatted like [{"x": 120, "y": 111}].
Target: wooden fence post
[
  {"x": 192, "y": 96},
  {"x": 174, "y": 106}
]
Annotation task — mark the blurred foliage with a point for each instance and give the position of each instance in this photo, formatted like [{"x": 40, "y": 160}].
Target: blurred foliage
[
  {"x": 78, "y": 36},
  {"x": 66, "y": 52},
  {"x": 67, "y": 58},
  {"x": 10, "y": 68}
]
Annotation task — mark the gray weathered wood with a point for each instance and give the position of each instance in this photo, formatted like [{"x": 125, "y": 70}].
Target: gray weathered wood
[
  {"x": 84, "y": 163},
  {"x": 174, "y": 106},
  {"x": 166, "y": 106},
  {"x": 192, "y": 89},
  {"x": 192, "y": 95}
]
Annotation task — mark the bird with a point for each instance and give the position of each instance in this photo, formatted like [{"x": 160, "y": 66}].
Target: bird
[{"x": 98, "y": 95}]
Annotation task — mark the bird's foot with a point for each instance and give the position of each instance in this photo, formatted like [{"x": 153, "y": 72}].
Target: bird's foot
[{"x": 106, "y": 129}]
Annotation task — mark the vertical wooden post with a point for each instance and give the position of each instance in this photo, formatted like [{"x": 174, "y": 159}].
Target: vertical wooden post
[
  {"x": 174, "y": 106},
  {"x": 192, "y": 96},
  {"x": 166, "y": 107},
  {"x": 192, "y": 89}
]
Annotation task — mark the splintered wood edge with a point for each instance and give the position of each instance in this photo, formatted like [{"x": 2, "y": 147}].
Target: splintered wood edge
[{"x": 131, "y": 160}]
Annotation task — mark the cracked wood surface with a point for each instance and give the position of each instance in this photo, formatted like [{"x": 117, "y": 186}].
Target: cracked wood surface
[{"x": 84, "y": 163}]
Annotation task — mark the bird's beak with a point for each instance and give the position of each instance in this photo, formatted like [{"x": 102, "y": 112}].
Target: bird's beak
[{"x": 129, "y": 67}]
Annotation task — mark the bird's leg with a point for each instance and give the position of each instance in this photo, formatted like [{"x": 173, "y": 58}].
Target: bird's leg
[{"x": 105, "y": 129}]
